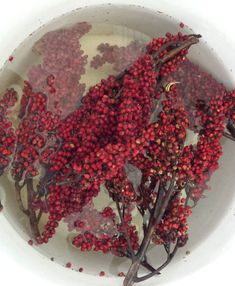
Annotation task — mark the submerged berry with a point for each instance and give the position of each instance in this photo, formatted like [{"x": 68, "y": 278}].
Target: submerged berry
[
  {"x": 102, "y": 273},
  {"x": 30, "y": 242},
  {"x": 68, "y": 265}
]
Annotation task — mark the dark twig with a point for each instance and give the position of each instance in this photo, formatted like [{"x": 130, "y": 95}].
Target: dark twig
[
  {"x": 229, "y": 136},
  {"x": 156, "y": 216},
  {"x": 231, "y": 129},
  {"x": 32, "y": 215},
  {"x": 164, "y": 47},
  {"x": 148, "y": 266},
  {"x": 18, "y": 189},
  {"x": 144, "y": 263},
  {"x": 39, "y": 214},
  {"x": 182, "y": 45},
  {"x": 170, "y": 256}
]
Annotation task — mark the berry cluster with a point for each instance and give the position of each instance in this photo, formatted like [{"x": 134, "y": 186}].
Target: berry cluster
[
  {"x": 113, "y": 124},
  {"x": 105, "y": 238},
  {"x": 33, "y": 134},
  {"x": 119, "y": 57},
  {"x": 63, "y": 64},
  {"x": 173, "y": 226},
  {"x": 7, "y": 132},
  {"x": 209, "y": 108}
]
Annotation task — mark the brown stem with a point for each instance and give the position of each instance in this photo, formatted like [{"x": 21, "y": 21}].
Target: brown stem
[
  {"x": 156, "y": 216},
  {"x": 32, "y": 215},
  {"x": 164, "y": 47},
  {"x": 170, "y": 256},
  {"x": 144, "y": 263},
  {"x": 192, "y": 40},
  {"x": 18, "y": 189},
  {"x": 39, "y": 215},
  {"x": 148, "y": 266},
  {"x": 231, "y": 129},
  {"x": 229, "y": 136}
]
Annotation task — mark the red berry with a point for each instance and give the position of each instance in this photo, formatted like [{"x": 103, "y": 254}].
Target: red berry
[
  {"x": 181, "y": 25},
  {"x": 102, "y": 273},
  {"x": 30, "y": 242}
]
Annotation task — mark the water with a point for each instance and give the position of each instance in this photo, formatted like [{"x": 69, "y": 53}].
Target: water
[{"x": 105, "y": 24}]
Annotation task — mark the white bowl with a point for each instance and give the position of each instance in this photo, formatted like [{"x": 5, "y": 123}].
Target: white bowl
[{"x": 212, "y": 223}]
